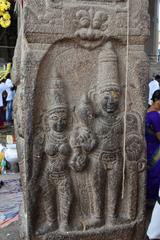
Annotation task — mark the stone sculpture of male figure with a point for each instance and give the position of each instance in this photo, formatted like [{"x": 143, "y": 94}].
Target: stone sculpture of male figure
[{"x": 106, "y": 160}]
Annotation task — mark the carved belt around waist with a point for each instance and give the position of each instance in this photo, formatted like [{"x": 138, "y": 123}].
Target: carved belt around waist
[
  {"x": 111, "y": 156},
  {"x": 57, "y": 175}
]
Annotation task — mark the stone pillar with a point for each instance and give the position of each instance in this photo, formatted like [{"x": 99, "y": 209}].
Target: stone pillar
[
  {"x": 156, "y": 30},
  {"x": 80, "y": 108},
  {"x": 152, "y": 43},
  {"x": 19, "y": 16}
]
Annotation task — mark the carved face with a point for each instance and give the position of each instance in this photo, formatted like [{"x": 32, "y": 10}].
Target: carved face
[
  {"x": 109, "y": 101},
  {"x": 85, "y": 114},
  {"x": 58, "y": 120}
]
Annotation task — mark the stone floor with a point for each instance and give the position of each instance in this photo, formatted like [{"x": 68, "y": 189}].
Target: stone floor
[{"x": 12, "y": 231}]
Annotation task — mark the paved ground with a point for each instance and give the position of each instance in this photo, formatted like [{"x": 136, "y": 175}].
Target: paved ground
[{"x": 12, "y": 231}]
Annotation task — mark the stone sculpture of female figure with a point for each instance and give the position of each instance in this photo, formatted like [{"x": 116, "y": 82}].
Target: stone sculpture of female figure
[{"x": 57, "y": 186}]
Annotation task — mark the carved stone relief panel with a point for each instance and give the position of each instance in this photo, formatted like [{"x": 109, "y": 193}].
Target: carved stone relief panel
[{"x": 77, "y": 144}]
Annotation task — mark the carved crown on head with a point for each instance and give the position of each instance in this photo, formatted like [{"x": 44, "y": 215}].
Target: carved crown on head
[
  {"x": 107, "y": 69},
  {"x": 59, "y": 98}
]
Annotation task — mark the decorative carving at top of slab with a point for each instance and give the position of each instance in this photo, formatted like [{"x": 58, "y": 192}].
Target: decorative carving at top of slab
[
  {"x": 47, "y": 17},
  {"x": 92, "y": 25}
]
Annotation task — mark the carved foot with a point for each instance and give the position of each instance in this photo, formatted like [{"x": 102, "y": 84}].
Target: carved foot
[
  {"x": 63, "y": 227},
  {"x": 112, "y": 220},
  {"x": 46, "y": 228},
  {"x": 93, "y": 222}
]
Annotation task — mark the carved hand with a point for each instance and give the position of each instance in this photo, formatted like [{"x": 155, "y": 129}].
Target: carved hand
[
  {"x": 51, "y": 149},
  {"x": 134, "y": 147},
  {"x": 65, "y": 149},
  {"x": 78, "y": 162}
]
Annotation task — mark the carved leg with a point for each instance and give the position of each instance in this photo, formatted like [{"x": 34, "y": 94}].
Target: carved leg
[
  {"x": 65, "y": 200},
  {"x": 114, "y": 187},
  {"x": 97, "y": 180},
  {"x": 49, "y": 200}
]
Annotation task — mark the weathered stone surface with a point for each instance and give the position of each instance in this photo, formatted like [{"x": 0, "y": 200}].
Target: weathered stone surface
[{"x": 74, "y": 109}]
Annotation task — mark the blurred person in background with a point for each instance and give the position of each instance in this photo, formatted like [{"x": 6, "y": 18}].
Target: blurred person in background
[
  {"x": 152, "y": 135},
  {"x": 2, "y": 89},
  {"x": 153, "y": 86},
  {"x": 153, "y": 231},
  {"x": 10, "y": 89}
]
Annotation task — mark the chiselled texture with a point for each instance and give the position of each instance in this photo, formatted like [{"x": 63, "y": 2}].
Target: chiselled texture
[{"x": 72, "y": 116}]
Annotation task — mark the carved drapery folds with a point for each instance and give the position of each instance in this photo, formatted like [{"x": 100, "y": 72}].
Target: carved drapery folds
[{"x": 79, "y": 184}]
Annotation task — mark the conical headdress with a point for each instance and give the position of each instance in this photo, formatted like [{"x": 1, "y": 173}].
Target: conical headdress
[
  {"x": 107, "y": 69},
  {"x": 58, "y": 98}
]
